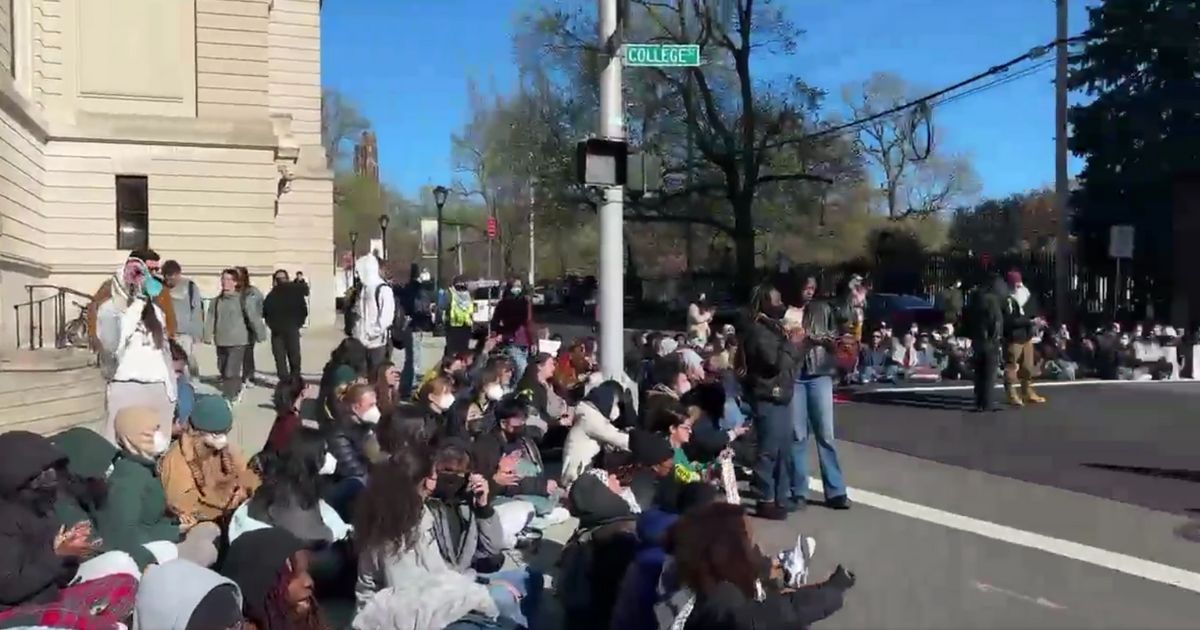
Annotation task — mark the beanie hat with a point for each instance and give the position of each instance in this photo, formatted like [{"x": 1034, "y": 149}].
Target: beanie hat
[
  {"x": 343, "y": 375},
  {"x": 88, "y": 454},
  {"x": 135, "y": 428},
  {"x": 212, "y": 414},
  {"x": 649, "y": 449}
]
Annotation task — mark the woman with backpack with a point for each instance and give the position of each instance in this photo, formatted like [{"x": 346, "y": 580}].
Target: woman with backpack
[{"x": 232, "y": 327}]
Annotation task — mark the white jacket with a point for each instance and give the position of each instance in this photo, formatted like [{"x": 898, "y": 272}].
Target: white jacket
[
  {"x": 590, "y": 431},
  {"x": 137, "y": 359},
  {"x": 376, "y": 307}
]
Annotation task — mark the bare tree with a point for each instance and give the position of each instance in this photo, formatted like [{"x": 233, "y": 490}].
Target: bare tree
[
  {"x": 916, "y": 178},
  {"x": 341, "y": 125}
]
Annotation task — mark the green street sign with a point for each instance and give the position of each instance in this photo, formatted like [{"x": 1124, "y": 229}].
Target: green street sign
[{"x": 662, "y": 55}]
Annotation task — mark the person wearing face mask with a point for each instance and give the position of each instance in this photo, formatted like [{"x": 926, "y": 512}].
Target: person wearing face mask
[
  {"x": 671, "y": 383},
  {"x": 114, "y": 294},
  {"x": 351, "y": 440},
  {"x": 46, "y": 566},
  {"x": 507, "y": 456},
  {"x": 513, "y": 321},
  {"x": 290, "y": 495},
  {"x": 772, "y": 361},
  {"x": 434, "y": 402},
  {"x": 473, "y": 412},
  {"x": 136, "y": 511},
  {"x": 593, "y": 430},
  {"x": 460, "y": 318},
  {"x": 205, "y": 477}
]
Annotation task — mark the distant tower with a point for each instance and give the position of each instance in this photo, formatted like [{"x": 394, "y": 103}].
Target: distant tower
[{"x": 366, "y": 157}]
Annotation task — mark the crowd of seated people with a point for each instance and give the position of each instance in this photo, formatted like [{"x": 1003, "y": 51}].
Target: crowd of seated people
[{"x": 414, "y": 513}]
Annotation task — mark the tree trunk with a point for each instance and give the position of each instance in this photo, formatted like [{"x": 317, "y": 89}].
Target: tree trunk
[{"x": 746, "y": 276}]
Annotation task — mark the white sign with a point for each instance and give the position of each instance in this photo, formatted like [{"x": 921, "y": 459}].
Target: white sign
[
  {"x": 1120, "y": 241},
  {"x": 429, "y": 238},
  {"x": 376, "y": 247}
]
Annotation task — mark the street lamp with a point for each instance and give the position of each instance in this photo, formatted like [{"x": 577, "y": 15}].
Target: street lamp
[
  {"x": 354, "y": 252},
  {"x": 383, "y": 223},
  {"x": 439, "y": 197}
]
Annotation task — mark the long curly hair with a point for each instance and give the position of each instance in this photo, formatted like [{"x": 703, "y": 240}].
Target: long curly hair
[
  {"x": 280, "y": 615},
  {"x": 389, "y": 509},
  {"x": 711, "y": 545}
]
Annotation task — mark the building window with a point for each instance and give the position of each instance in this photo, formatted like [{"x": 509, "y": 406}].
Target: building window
[{"x": 133, "y": 212}]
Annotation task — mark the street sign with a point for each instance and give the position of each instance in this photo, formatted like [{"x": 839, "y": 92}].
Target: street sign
[
  {"x": 662, "y": 55},
  {"x": 1120, "y": 241}
]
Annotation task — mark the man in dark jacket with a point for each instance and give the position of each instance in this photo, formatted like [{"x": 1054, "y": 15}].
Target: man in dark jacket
[
  {"x": 419, "y": 304},
  {"x": 285, "y": 312},
  {"x": 506, "y": 439},
  {"x": 985, "y": 323},
  {"x": 34, "y": 566},
  {"x": 1021, "y": 324}
]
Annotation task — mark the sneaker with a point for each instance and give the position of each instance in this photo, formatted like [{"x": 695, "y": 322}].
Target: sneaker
[
  {"x": 840, "y": 502},
  {"x": 771, "y": 512}
]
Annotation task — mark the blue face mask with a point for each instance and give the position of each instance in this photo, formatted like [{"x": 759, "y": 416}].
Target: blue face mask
[{"x": 152, "y": 287}]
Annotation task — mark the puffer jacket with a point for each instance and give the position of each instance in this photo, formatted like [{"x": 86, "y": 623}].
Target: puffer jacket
[
  {"x": 32, "y": 573},
  {"x": 347, "y": 443},
  {"x": 772, "y": 362}
]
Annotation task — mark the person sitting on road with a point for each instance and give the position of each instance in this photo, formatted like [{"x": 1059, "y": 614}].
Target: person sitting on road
[
  {"x": 510, "y": 459},
  {"x": 471, "y": 414},
  {"x": 596, "y": 558},
  {"x": 671, "y": 383},
  {"x": 347, "y": 363},
  {"x": 271, "y": 568},
  {"x": 288, "y": 399},
  {"x": 351, "y": 440},
  {"x": 593, "y": 430},
  {"x": 435, "y": 401},
  {"x": 724, "y": 581},
  {"x": 179, "y": 595},
  {"x": 538, "y": 386},
  {"x": 402, "y": 573},
  {"x": 387, "y": 387},
  {"x": 46, "y": 572},
  {"x": 204, "y": 476},
  {"x": 136, "y": 511},
  {"x": 652, "y": 468}
]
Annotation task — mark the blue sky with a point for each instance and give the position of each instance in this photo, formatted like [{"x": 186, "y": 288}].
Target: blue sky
[{"x": 407, "y": 62}]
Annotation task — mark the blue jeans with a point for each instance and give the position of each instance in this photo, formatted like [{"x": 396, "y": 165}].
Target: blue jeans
[
  {"x": 812, "y": 414},
  {"x": 732, "y": 415},
  {"x": 528, "y": 583},
  {"x": 773, "y": 465}
]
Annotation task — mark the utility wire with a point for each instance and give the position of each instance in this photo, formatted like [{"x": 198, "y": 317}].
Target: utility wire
[
  {"x": 994, "y": 70},
  {"x": 995, "y": 83}
]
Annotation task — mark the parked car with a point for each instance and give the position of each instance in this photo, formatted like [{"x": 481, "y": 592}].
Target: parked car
[{"x": 901, "y": 311}]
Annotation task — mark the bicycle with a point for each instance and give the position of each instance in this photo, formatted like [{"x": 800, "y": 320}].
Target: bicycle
[{"x": 75, "y": 332}]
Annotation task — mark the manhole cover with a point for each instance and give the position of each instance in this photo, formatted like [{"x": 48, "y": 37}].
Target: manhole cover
[{"x": 1189, "y": 531}]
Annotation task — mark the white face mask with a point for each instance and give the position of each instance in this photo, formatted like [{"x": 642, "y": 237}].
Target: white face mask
[
  {"x": 329, "y": 466},
  {"x": 445, "y": 402},
  {"x": 371, "y": 416},
  {"x": 685, "y": 386},
  {"x": 494, "y": 391},
  {"x": 161, "y": 443},
  {"x": 216, "y": 442}
]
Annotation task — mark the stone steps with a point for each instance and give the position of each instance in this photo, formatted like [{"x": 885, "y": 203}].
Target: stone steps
[{"x": 46, "y": 391}]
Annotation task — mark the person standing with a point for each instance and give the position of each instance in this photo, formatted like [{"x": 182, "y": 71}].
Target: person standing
[
  {"x": 254, "y": 311},
  {"x": 132, "y": 332},
  {"x": 985, "y": 319},
  {"x": 285, "y": 311},
  {"x": 460, "y": 319},
  {"x": 812, "y": 403},
  {"x": 188, "y": 305},
  {"x": 1021, "y": 321},
  {"x": 374, "y": 310},
  {"x": 513, "y": 321},
  {"x": 771, "y": 362},
  {"x": 230, "y": 327},
  {"x": 114, "y": 293},
  {"x": 303, "y": 282},
  {"x": 420, "y": 304}
]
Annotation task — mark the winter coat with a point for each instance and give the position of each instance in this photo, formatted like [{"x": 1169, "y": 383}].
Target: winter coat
[
  {"x": 307, "y": 524},
  {"x": 727, "y": 608},
  {"x": 347, "y": 441},
  {"x": 1020, "y": 309},
  {"x": 235, "y": 319},
  {"x": 480, "y": 537},
  {"x": 588, "y": 434},
  {"x": 284, "y": 308},
  {"x": 188, "y": 306},
  {"x": 171, "y": 592},
  {"x": 772, "y": 362},
  {"x": 131, "y": 346},
  {"x": 513, "y": 320},
  {"x": 634, "y": 608},
  {"x": 136, "y": 511},
  {"x": 491, "y": 446},
  {"x": 201, "y": 483},
  {"x": 30, "y": 572},
  {"x": 598, "y": 555}
]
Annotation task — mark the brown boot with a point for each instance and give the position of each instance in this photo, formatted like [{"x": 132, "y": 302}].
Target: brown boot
[
  {"x": 1030, "y": 395},
  {"x": 1013, "y": 398}
]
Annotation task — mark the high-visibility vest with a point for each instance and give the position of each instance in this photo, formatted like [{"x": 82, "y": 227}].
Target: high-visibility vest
[{"x": 461, "y": 315}]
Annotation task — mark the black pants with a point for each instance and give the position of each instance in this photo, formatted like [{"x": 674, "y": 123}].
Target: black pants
[
  {"x": 230, "y": 361},
  {"x": 285, "y": 346},
  {"x": 986, "y": 359},
  {"x": 377, "y": 357},
  {"x": 249, "y": 370}
]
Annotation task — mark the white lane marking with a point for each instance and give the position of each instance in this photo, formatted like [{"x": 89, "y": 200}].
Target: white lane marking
[
  {"x": 1111, "y": 560},
  {"x": 1037, "y": 384},
  {"x": 1037, "y": 601}
]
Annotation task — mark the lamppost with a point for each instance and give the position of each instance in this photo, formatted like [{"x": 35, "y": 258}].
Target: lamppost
[
  {"x": 439, "y": 197},
  {"x": 354, "y": 252},
  {"x": 383, "y": 223}
]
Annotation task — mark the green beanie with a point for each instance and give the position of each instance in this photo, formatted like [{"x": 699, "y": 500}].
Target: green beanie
[
  {"x": 343, "y": 375},
  {"x": 88, "y": 454},
  {"x": 212, "y": 414}
]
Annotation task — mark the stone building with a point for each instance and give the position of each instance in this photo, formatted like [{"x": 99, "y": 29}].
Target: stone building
[{"x": 191, "y": 126}]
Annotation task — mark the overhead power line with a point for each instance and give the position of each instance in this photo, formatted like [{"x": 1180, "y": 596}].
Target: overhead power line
[{"x": 931, "y": 98}]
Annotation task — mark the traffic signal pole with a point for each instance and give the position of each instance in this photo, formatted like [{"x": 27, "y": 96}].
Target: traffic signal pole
[{"x": 612, "y": 126}]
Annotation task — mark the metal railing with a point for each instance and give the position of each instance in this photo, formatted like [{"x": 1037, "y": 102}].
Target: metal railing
[{"x": 64, "y": 333}]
